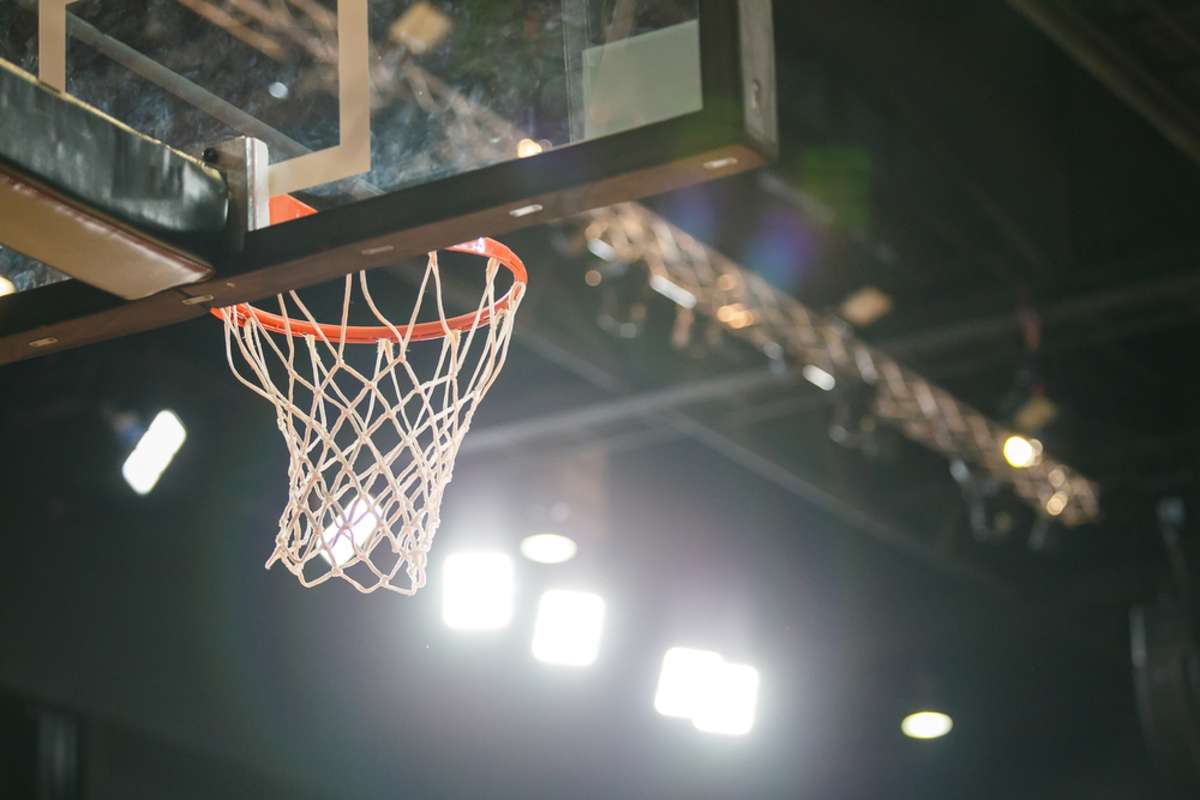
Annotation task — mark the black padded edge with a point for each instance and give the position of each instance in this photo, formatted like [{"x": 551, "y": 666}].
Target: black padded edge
[{"x": 85, "y": 155}]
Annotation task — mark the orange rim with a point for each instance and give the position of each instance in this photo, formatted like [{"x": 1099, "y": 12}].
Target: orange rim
[
  {"x": 284, "y": 207},
  {"x": 421, "y": 331}
]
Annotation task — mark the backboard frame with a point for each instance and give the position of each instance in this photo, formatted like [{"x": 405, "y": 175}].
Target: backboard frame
[{"x": 733, "y": 131}]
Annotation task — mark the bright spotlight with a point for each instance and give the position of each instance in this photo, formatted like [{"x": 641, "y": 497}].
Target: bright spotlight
[
  {"x": 343, "y": 536},
  {"x": 818, "y": 377},
  {"x": 926, "y": 725},
  {"x": 154, "y": 451},
  {"x": 548, "y": 548},
  {"x": 1020, "y": 452},
  {"x": 528, "y": 147},
  {"x": 728, "y": 707},
  {"x": 699, "y": 685},
  {"x": 1057, "y": 503},
  {"x": 568, "y": 627},
  {"x": 684, "y": 679},
  {"x": 477, "y": 591}
]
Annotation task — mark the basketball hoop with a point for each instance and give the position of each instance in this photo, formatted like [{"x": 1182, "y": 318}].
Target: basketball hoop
[{"x": 372, "y": 448}]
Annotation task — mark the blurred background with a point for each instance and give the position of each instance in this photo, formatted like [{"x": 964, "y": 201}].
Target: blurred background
[{"x": 761, "y": 571}]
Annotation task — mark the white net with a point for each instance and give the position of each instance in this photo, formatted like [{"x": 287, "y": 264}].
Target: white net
[{"x": 372, "y": 441}]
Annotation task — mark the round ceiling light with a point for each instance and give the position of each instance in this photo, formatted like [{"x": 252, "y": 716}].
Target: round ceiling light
[
  {"x": 926, "y": 725},
  {"x": 548, "y": 548},
  {"x": 1020, "y": 452}
]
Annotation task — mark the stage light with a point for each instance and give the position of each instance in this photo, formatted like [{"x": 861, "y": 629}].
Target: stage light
[
  {"x": 818, "y": 377},
  {"x": 729, "y": 704},
  {"x": 154, "y": 451},
  {"x": 568, "y": 628},
  {"x": 477, "y": 591},
  {"x": 699, "y": 685},
  {"x": 926, "y": 725},
  {"x": 1057, "y": 503},
  {"x": 342, "y": 536},
  {"x": 1020, "y": 452},
  {"x": 684, "y": 680},
  {"x": 7, "y": 286},
  {"x": 548, "y": 548},
  {"x": 673, "y": 292},
  {"x": 601, "y": 249},
  {"x": 527, "y": 148}
]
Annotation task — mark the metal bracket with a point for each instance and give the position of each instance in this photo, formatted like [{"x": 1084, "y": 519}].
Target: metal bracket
[
  {"x": 245, "y": 163},
  {"x": 350, "y": 156}
]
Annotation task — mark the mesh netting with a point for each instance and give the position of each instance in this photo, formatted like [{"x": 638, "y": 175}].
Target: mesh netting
[{"x": 372, "y": 436}]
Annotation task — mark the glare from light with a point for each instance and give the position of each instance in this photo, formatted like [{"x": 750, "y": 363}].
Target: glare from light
[
  {"x": 742, "y": 319},
  {"x": 527, "y": 148},
  {"x": 477, "y": 591},
  {"x": 7, "y": 286},
  {"x": 548, "y": 548},
  {"x": 926, "y": 725},
  {"x": 346, "y": 534},
  {"x": 729, "y": 313},
  {"x": 672, "y": 291},
  {"x": 729, "y": 705},
  {"x": 720, "y": 163},
  {"x": 1020, "y": 452},
  {"x": 525, "y": 211},
  {"x": 601, "y": 249},
  {"x": 154, "y": 451},
  {"x": 568, "y": 628},
  {"x": 1056, "y": 504},
  {"x": 685, "y": 679},
  {"x": 818, "y": 377},
  {"x": 278, "y": 90}
]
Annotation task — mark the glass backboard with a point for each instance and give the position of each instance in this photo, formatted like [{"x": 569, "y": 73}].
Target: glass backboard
[{"x": 358, "y": 99}]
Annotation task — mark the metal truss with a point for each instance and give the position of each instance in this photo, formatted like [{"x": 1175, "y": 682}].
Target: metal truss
[{"x": 704, "y": 282}]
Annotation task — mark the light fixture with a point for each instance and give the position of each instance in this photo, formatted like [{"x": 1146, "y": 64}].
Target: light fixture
[
  {"x": 866, "y": 306},
  {"x": 672, "y": 291},
  {"x": 1020, "y": 452},
  {"x": 699, "y": 685},
  {"x": 568, "y": 628},
  {"x": 278, "y": 90},
  {"x": 1057, "y": 503},
  {"x": 683, "y": 681},
  {"x": 525, "y": 211},
  {"x": 818, "y": 377},
  {"x": 527, "y": 148},
  {"x": 601, "y": 249},
  {"x": 153, "y": 452},
  {"x": 729, "y": 313},
  {"x": 728, "y": 707},
  {"x": 548, "y": 548},
  {"x": 348, "y": 533},
  {"x": 926, "y": 725},
  {"x": 7, "y": 286},
  {"x": 720, "y": 163},
  {"x": 477, "y": 591}
]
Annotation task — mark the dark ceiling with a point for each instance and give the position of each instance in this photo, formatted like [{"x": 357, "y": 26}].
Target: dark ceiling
[{"x": 1036, "y": 235}]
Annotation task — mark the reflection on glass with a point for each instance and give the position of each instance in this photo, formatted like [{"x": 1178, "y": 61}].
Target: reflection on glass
[{"x": 454, "y": 85}]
